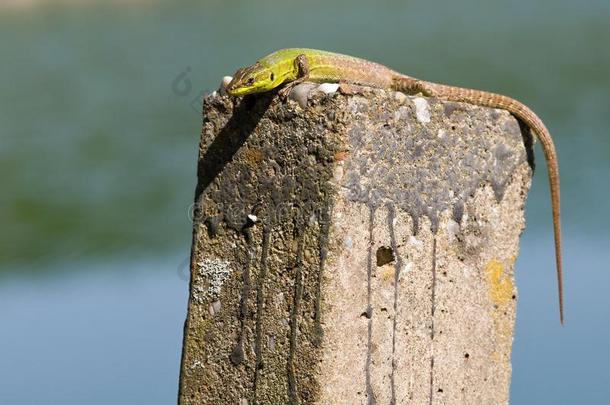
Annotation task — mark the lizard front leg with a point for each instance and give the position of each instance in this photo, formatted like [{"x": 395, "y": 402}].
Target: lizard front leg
[{"x": 301, "y": 65}]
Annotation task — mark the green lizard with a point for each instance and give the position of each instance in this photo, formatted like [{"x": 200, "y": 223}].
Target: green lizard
[{"x": 295, "y": 65}]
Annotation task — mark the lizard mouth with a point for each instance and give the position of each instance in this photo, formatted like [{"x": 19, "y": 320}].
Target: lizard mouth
[{"x": 237, "y": 91}]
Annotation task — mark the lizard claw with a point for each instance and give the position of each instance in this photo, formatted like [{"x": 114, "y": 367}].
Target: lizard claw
[{"x": 285, "y": 91}]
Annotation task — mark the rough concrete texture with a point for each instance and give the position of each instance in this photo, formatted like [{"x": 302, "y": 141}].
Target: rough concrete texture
[{"x": 359, "y": 250}]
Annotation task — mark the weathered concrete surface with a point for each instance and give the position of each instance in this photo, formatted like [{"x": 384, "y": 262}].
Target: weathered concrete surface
[{"x": 359, "y": 250}]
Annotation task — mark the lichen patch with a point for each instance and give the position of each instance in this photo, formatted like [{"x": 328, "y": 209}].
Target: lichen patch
[{"x": 215, "y": 271}]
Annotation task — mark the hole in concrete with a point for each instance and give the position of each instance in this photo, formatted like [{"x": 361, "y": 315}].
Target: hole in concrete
[
  {"x": 368, "y": 313},
  {"x": 466, "y": 355},
  {"x": 385, "y": 255}
]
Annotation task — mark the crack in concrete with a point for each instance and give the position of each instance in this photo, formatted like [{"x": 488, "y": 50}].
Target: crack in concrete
[
  {"x": 237, "y": 355},
  {"x": 369, "y": 309},
  {"x": 432, "y": 319},
  {"x": 296, "y": 307},
  {"x": 323, "y": 252},
  {"x": 260, "y": 303},
  {"x": 397, "y": 268}
]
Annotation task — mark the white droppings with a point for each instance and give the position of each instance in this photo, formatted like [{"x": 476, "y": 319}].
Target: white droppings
[
  {"x": 253, "y": 218},
  {"x": 328, "y": 88},
  {"x": 223, "y": 85},
  {"x": 215, "y": 272},
  {"x": 415, "y": 242},
  {"x": 225, "y": 81},
  {"x": 421, "y": 110},
  {"x": 196, "y": 364}
]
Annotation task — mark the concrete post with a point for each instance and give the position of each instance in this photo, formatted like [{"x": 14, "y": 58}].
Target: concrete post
[{"x": 354, "y": 248}]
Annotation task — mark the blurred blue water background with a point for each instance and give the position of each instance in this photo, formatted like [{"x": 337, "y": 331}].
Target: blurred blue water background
[{"x": 98, "y": 143}]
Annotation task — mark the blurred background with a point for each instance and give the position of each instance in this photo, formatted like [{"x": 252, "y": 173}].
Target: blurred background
[{"x": 99, "y": 126}]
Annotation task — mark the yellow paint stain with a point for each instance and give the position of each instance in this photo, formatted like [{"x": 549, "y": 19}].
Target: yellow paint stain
[
  {"x": 501, "y": 286},
  {"x": 501, "y": 291}
]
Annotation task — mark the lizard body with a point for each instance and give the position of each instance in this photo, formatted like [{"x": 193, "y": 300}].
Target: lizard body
[{"x": 294, "y": 65}]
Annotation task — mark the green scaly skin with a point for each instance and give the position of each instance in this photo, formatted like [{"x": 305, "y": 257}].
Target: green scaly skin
[{"x": 294, "y": 65}]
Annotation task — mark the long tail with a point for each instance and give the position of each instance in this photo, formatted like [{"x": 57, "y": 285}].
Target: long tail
[{"x": 529, "y": 118}]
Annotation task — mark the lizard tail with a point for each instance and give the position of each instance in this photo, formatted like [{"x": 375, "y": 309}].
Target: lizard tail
[{"x": 529, "y": 118}]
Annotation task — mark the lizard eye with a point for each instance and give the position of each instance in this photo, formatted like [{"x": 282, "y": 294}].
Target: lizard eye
[
  {"x": 250, "y": 81},
  {"x": 271, "y": 77}
]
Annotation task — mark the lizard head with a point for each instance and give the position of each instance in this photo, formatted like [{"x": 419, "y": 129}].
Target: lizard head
[{"x": 253, "y": 79}]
